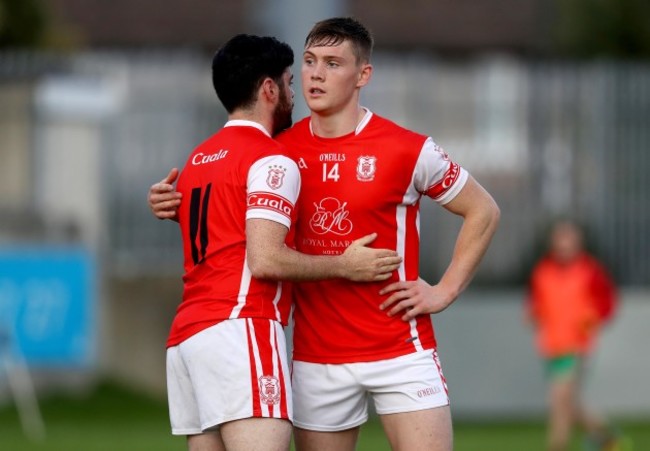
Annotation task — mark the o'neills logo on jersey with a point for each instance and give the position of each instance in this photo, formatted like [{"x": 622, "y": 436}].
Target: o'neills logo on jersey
[
  {"x": 201, "y": 158},
  {"x": 448, "y": 180},
  {"x": 276, "y": 176},
  {"x": 366, "y": 168},
  {"x": 331, "y": 216},
  {"x": 270, "y": 201},
  {"x": 269, "y": 390}
]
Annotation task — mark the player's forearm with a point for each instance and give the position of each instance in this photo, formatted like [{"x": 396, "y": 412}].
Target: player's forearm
[
  {"x": 285, "y": 263},
  {"x": 270, "y": 258}
]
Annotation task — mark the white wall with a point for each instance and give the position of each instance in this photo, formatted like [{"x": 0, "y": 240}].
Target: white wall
[{"x": 493, "y": 371}]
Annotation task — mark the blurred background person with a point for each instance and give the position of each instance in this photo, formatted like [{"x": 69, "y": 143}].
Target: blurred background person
[{"x": 571, "y": 297}]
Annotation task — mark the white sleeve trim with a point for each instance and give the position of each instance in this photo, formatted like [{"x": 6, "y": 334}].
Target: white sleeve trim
[{"x": 436, "y": 175}]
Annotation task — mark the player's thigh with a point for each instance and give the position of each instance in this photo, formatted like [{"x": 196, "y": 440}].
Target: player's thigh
[
  {"x": 206, "y": 441},
  {"x": 256, "y": 434},
  {"x": 562, "y": 393},
  {"x": 326, "y": 441},
  {"x": 425, "y": 430}
]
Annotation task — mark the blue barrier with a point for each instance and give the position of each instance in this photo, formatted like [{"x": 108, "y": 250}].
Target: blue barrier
[{"x": 48, "y": 299}]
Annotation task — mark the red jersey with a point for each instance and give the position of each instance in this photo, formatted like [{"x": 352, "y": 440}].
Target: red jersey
[
  {"x": 237, "y": 174},
  {"x": 369, "y": 181},
  {"x": 568, "y": 303}
]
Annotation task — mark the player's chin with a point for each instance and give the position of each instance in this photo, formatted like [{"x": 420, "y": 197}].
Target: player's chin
[{"x": 316, "y": 105}]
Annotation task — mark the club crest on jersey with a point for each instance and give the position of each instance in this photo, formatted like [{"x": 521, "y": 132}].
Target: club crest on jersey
[
  {"x": 269, "y": 390},
  {"x": 441, "y": 151},
  {"x": 275, "y": 178},
  {"x": 366, "y": 168}
]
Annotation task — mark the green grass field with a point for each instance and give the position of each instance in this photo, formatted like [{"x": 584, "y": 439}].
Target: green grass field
[{"x": 114, "y": 419}]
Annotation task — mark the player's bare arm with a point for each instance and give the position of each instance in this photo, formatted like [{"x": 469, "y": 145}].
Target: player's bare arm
[
  {"x": 269, "y": 258},
  {"x": 163, "y": 198},
  {"x": 480, "y": 219}
]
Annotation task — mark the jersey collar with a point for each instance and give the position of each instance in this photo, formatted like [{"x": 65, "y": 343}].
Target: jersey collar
[
  {"x": 364, "y": 121},
  {"x": 246, "y": 123}
]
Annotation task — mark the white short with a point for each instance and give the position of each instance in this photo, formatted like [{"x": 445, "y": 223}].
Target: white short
[
  {"x": 236, "y": 369},
  {"x": 334, "y": 397}
]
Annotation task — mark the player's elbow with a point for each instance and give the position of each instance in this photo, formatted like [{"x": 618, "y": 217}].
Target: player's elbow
[
  {"x": 495, "y": 214},
  {"x": 491, "y": 215},
  {"x": 263, "y": 267}
]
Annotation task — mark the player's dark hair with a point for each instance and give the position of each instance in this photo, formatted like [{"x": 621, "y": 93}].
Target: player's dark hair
[
  {"x": 240, "y": 66},
  {"x": 336, "y": 30}
]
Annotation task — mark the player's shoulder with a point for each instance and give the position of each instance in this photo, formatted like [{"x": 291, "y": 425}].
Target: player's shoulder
[
  {"x": 274, "y": 153},
  {"x": 389, "y": 127},
  {"x": 254, "y": 144},
  {"x": 542, "y": 267},
  {"x": 295, "y": 137},
  {"x": 295, "y": 133},
  {"x": 591, "y": 262},
  {"x": 237, "y": 145}
]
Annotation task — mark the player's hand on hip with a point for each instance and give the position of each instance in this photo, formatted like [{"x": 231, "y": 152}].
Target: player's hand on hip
[
  {"x": 163, "y": 198},
  {"x": 365, "y": 264},
  {"x": 414, "y": 297}
]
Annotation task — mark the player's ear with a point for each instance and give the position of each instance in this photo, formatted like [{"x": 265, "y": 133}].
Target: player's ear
[
  {"x": 365, "y": 74},
  {"x": 270, "y": 89}
]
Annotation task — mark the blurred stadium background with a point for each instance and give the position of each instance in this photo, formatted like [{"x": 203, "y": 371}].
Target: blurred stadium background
[{"x": 547, "y": 103}]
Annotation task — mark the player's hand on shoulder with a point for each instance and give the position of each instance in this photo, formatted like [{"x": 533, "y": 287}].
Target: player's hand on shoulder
[
  {"x": 414, "y": 297},
  {"x": 365, "y": 264},
  {"x": 163, "y": 198}
]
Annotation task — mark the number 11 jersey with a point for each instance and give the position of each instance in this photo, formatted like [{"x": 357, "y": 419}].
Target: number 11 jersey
[{"x": 237, "y": 174}]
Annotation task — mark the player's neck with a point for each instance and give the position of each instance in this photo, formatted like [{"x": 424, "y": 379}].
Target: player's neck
[{"x": 337, "y": 124}]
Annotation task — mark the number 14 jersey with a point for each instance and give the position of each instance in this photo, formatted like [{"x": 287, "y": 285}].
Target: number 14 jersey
[{"x": 368, "y": 181}]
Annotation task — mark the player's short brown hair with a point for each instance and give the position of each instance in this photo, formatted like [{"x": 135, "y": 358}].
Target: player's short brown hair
[{"x": 336, "y": 30}]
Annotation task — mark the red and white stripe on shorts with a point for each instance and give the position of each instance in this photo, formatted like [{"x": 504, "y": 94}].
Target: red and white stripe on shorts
[
  {"x": 436, "y": 360},
  {"x": 268, "y": 378}
]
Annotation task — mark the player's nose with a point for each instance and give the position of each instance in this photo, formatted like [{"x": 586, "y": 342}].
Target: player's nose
[{"x": 317, "y": 72}]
